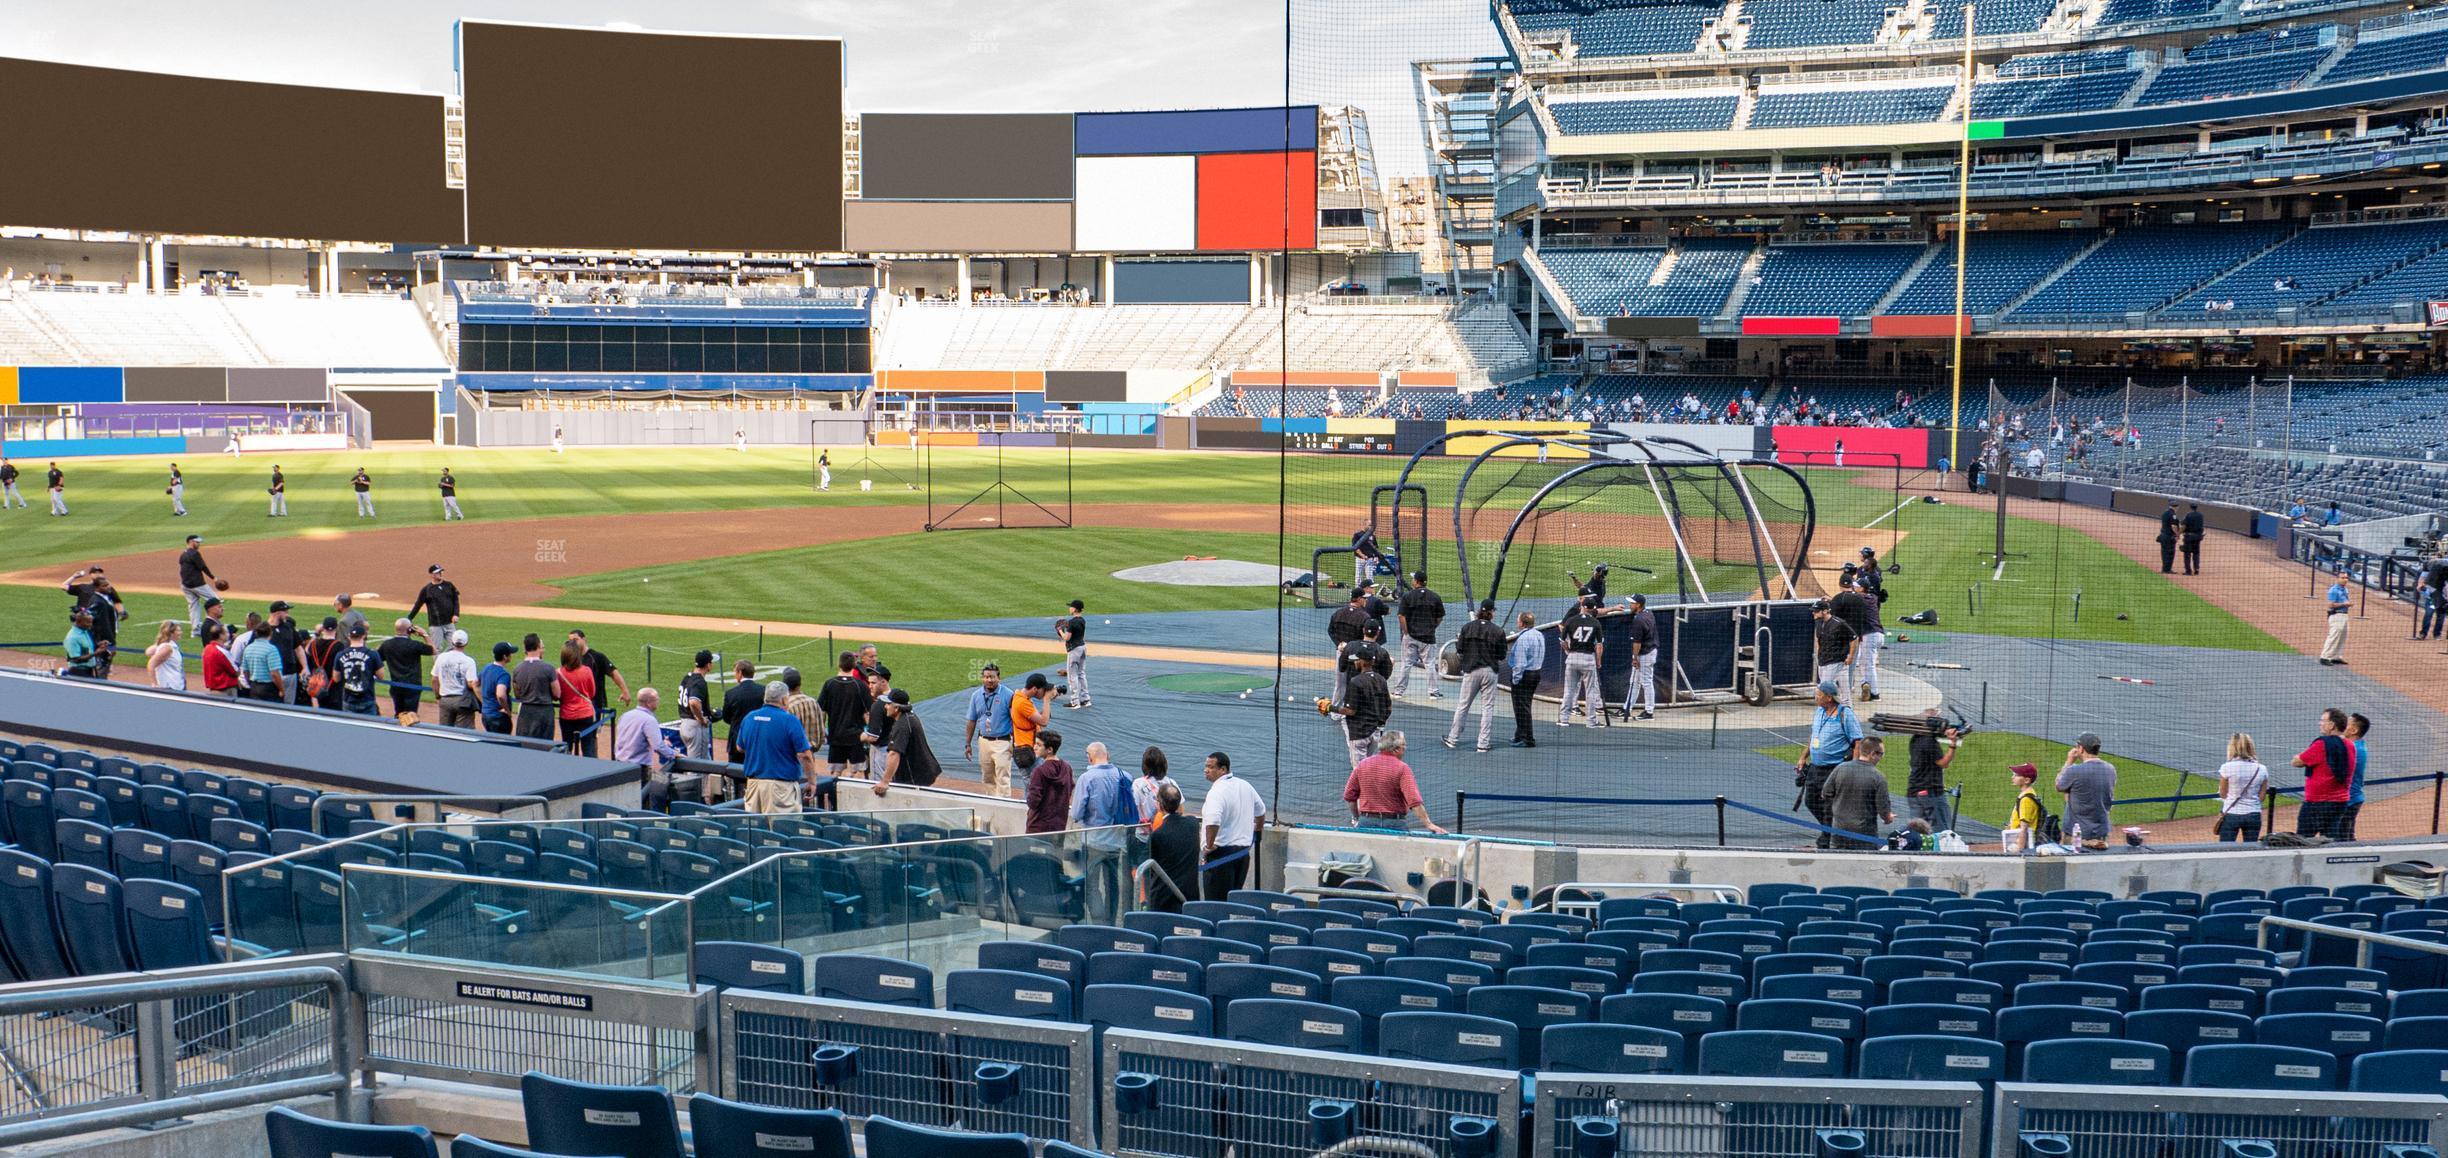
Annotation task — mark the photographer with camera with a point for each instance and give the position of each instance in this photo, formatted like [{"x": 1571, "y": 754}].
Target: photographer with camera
[{"x": 1925, "y": 786}]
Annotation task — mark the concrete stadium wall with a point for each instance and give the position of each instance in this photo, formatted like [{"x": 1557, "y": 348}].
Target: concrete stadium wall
[{"x": 712, "y": 428}]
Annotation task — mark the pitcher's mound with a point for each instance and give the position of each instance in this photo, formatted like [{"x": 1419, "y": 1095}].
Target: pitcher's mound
[{"x": 1211, "y": 573}]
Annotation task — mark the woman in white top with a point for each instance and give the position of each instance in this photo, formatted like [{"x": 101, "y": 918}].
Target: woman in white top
[
  {"x": 164, "y": 659},
  {"x": 2241, "y": 782}
]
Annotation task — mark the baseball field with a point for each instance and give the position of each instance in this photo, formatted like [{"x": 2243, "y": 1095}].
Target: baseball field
[{"x": 657, "y": 553}]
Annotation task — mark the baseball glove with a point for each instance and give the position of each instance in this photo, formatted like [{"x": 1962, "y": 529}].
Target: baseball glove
[
  {"x": 220, "y": 584},
  {"x": 1325, "y": 707}
]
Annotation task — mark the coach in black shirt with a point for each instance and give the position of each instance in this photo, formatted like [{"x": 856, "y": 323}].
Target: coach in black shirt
[
  {"x": 1343, "y": 629},
  {"x": 291, "y": 639},
  {"x": 844, "y": 699},
  {"x": 746, "y": 695},
  {"x": 909, "y": 758},
  {"x": 403, "y": 657},
  {"x": 1925, "y": 785}
]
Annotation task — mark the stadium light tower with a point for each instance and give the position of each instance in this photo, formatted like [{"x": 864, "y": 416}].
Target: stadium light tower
[{"x": 1963, "y": 233}]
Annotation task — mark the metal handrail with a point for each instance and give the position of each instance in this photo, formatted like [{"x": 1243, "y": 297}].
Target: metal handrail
[
  {"x": 2364, "y": 938},
  {"x": 157, "y": 1106},
  {"x": 315, "y": 810},
  {"x": 1394, "y": 895},
  {"x": 1558, "y": 903}
]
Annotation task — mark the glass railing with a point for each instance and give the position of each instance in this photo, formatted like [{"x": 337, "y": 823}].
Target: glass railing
[
  {"x": 273, "y": 901},
  {"x": 932, "y": 903},
  {"x": 497, "y": 922}
]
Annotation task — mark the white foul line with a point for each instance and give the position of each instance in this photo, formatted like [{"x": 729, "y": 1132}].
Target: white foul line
[{"x": 1883, "y": 518}]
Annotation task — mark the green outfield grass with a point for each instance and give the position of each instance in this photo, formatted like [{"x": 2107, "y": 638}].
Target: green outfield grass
[
  {"x": 30, "y": 614},
  {"x": 119, "y": 507},
  {"x": 1989, "y": 793}
]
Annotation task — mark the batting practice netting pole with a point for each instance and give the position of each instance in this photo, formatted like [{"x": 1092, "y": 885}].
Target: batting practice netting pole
[
  {"x": 860, "y": 464},
  {"x": 1008, "y": 480}
]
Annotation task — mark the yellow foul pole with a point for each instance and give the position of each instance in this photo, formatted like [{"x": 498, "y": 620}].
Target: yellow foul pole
[{"x": 1963, "y": 231}]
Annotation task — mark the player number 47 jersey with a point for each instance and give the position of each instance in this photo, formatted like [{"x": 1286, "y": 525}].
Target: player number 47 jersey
[{"x": 1580, "y": 635}]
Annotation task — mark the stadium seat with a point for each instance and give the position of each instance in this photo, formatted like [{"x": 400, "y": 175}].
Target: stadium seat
[
  {"x": 1214, "y": 912},
  {"x": 1685, "y": 1014},
  {"x": 886, "y": 1138},
  {"x": 1611, "y": 1049},
  {"x": 165, "y": 926},
  {"x": 81, "y": 842},
  {"x": 2401, "y": 1071},
  {"x": 1178, "y": 974},
  {"x": 1265, "y": 934},
  {"x": 1375, "y": 997},
  {"x": 1459, "y": 976},
  {"x": 1931, "y": 1058},
  {"x": 1006, "y": 993},
  {"x": 2261, "y": 1067},
  {"x": 1041, "y": 891},
  {"x": 2336, "y": 977},
  {"x": 1227, "y": 984},
  {"x": 1743, "y": 946},
  {"x": 1854, "y": 991},
  {"x": 295, "y": 1135},
  {"x": 1986, "y": 995},
  {"x": 2021, "y": 1025},
  {"x": 1771, "y": 1054},
  {"x": 1458, "y": 1039},
  {"x": 750, "y": 967},
  {"x": 1827, "y": 1018},
  {"x": 719, "y": 1126},
  {"x": 2183, "y": 1030},
  {"x": 1162, "y": 925},
  {"x": 2094, "y": 1062},
  {"x": 87, "y": 901},
  {"x": 1091, "y": 940},
  {"x": 1886, "y": 970},
  {"x": 28, "y": 809},
  {"x": 1928, "y": 1020},
  {"x": 1148, "y": 1008},
  {"x": 2089, "y": 994},
  {"x": 1294, "y": 1023},
  {"x": 1378, "y": 944},
  {"x": 1592, "y": 983},
  {"x": 2323, "y": 999},
  {"x": 1041, "y": 957},
  {"x": 1324, "y": 964},
  {"x": 1729, "y": 988},
  {"x": 2342, "y": 1036},
  {"x": 2210, "y": 998},
  {"x": 1209, "y": 952},
  {"x": 1529, "y": 1010},
  {"x": 571, "y": 1117}
]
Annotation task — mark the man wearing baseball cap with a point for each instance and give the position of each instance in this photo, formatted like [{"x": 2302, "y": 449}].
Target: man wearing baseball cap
[
  {"x": 1644, "y": 636},
  {"x": 358, "y": 667},
  {"x": 195, "y": 581},
  {"x": 1834, "y": 730},
  {"x": 908, "y": 758},
  {"x": 1073, "y": 631},
  {"x": 439, "y": 600},
  {"x": 454, "y": 676},
  {"x": 2089, "y": 783},
  {"x": 344, "y": 606},
  {"x": 493, "y": 690},
  {"x": 290, "y": 639}
]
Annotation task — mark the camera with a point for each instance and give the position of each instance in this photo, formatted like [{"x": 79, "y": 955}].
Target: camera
[{"x": 1917, "y": 725}]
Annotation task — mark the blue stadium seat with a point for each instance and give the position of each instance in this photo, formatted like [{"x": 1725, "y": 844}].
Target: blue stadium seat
[
  {"x": 1214, "y": 912},
  {"x": 1634, "y": 941},
  {"x": 718, "y": 1126},
  {"x": 1759, "y": 1053},
  {"x": 750, "y": 967},
  {"x": 1227, "y": 984},
  {"x": 2021, "y": 1025},
  {"x": 2101, "y": 950},
  {"x": 28, "y": 808},
  {"x": 120, "y": 794},
  {"x": 1931, "y": 1058},
  {"x": 2261, "y": 1067},
  {"x": 2222, "y": 955},
  {"x": 295, "y": 1135},
  {"x": 88, "y": 903},
  {"x": 2013, "y": 975},
  {"x": 2339, "y": 1035},
  {"x": 1947, "y": 991},
  {"x": 1413, "y": 928},
  {"x": 165, "y": 926},
  {"x": 292, "y": 806},
  {"x": 1314, "y": 920},
  {"x": 1162, "y": 925},
  {"x": 2090, "y": 1061},
  {"x": 1928, "y": 1020},
  {"x": 887, "y": 1138},
  {"x": 139, "y": 855},
  {"x": 1495, "y": 954},
  {"x": 1592, "y": 983},
  {"x": 1156, "y": 970},
  {"x": 1827, "y": 1018},
  {"x": 1264, "y": 934},
  {"x": 1007, "y": 993},
  {"x": 1529, "y": 1010},
  {"x": 2419, "y": 1003},
  {"x": 164, "y": 810},
  {"x": 1685, "y": 1014},
  {"x": 1323, "y": 964},
  {"x": 1378, "y": 944},
  {"x": 1614, "y": 907},
  {"x": 1608, "y": 959},
  {"x": 203, "y": 808},
  {"x": 570, "y": 1117},
  {"x": 2261, "y": 978},
  {"x": 2089, "y": 994},
  {"x": 1521, "y": 938},
  {"x": 1094, "y": 939},
  {"x": 1611, "y": 1049},
  {"x": 2337, "y": 977},
  {"x": 1449, "y": 1039},
  {"x": 1458, "y": 976},
  {"x": 1148, "y": 1008},
  {"x": 2401, "y": 1071},
  {"x": 2324, "y": 999},
  {"x": 1887, "y": 970},
  {"x": 1298, "y": 1024},
  {"x": 2183, "y": 1030},
  {"x": 1374, "y": 997},
  {"x": 1726, "y": 987},
  {"x": 1857, "y": 947},
  {"x": 2210, "y": 998},
  {"x": 1042, "y": 890},
  {"x": 1209, "y": 952},
  {"x": 1692, "y": 961},
  {"x": 231, "y": 834},
  {"x": 81, "y": 842},
  {"x": 1743, "y": 946},
  {"x": 1854, "y": 991}
]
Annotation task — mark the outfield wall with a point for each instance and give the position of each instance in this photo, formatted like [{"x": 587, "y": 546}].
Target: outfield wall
[{"x": 480, "y": 426}]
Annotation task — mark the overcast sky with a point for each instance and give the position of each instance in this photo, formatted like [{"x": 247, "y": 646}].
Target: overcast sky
[{"x": 904, "y": 55}]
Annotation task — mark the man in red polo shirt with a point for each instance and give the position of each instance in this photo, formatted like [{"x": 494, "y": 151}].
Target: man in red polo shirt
[
  {"x": 2328, "y": 772},
  {"x": 1382, "y": 792}
]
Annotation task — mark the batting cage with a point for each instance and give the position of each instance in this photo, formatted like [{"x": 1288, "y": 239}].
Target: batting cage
[{"x": 996, "y": 479}]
